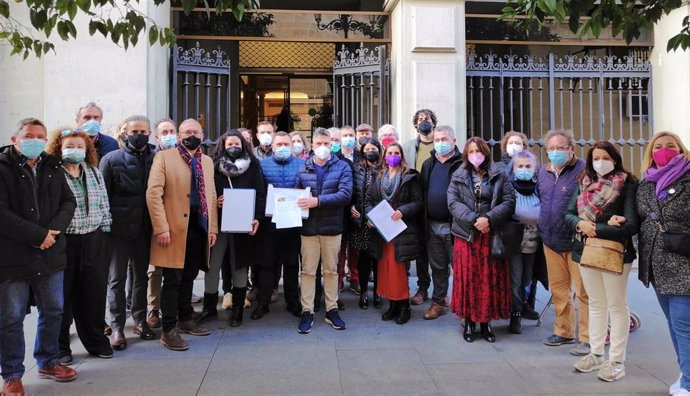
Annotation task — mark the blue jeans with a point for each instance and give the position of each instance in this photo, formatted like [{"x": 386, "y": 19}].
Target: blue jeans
[
  {"x": 14, "y": 297},
  {"x": 677, "y": 311}
]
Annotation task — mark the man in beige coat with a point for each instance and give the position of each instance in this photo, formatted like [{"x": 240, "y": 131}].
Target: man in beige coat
[{"x": 180, "y": 192}]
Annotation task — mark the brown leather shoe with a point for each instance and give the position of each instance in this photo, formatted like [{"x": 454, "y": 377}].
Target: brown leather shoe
[
  {"x": 434, "y": 311},
  {"x": 173, "y": 341},
  {"x": 420, "y": 297},
  {"x": 191, "y": 327},
  {"x": 153, "y": 319},
  {"x": 13, "y": 387},
  {"x": 59, "y": 373},
  {"x": 144, "y": 332},
  {"x": 118, "y": 341}
]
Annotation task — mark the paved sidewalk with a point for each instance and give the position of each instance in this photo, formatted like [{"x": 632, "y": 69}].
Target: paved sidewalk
[{"x": 269, "y": 357}]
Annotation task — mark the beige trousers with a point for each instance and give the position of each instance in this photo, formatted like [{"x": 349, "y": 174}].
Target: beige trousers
[
  {"x": 325, "y": 249},
  {"x": 154, "y": 290}
]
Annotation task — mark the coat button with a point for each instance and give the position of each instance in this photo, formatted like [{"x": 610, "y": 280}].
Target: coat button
[
  {"x": 185, "y": 215},
  {"x": 32, "y": 209},
  {"x": 188, "y": 195}
]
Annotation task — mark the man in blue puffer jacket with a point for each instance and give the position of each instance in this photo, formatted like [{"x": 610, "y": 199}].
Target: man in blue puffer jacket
[
  {"x": 280, "y": 170},
  {"x": 330, "y": 180},
  {"x": 556, "y": 182}
]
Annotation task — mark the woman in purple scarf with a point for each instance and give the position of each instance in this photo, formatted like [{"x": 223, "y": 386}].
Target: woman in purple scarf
[{"x": 663, "y": 202}]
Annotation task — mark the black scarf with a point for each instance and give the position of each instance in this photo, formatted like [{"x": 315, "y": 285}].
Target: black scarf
[
  {"x": 230, "y": 168},
  {"x": 526, "y": 188}
]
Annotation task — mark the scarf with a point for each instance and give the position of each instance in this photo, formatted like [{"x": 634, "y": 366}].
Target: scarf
[
  {"x": 231, "y": 168},
  {"x": 389, "y": 186},
  {"x": 666, "y": 175},
  {"x": 595, "y": 197},
  {"x": 197, "y": 198},
  {"x": 526, "y": 188}
]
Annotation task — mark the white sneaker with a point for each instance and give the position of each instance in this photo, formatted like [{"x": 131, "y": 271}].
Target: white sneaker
[
  {"x": 611, "y": 371},
  {"x": 681, "y": 392},
  {"x": 589, "y": 363},
  {"x": 675, "y": 387},
  {"x": 227, "y": 301}
]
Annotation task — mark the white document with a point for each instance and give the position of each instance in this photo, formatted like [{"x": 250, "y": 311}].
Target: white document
[
  {"x": 380, "y": 217},
  {"x": 289, "y": 193},
  {"x": 287, "y": 214},
  {"x": 238, "y": 210}
]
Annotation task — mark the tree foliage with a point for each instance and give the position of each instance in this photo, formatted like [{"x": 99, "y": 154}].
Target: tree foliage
[
  {"x": 119, "y": 20},
  {"x": 626, "y": 18}
]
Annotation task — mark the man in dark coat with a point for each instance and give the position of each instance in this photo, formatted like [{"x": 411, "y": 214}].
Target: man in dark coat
[
  {"x": 89, "y": 118},
  {"x": 36, "y": 206},
  {"x": 125, "y": 173},
  {"x": 436, "y": 173},
  {"x": 330, "y": 181}
]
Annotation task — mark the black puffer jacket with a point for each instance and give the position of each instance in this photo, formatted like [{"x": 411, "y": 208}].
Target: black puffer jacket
[
  {"x": 668, "y": 272},
  {"x": 126, "y": 176},
  {"x": 29, "y": 207},
  {"x": 409, "y": 201},
  {"x": 461, "y": 202},
  {"x": 360, "y": 192},
  {"x": 245, "y": 245}
]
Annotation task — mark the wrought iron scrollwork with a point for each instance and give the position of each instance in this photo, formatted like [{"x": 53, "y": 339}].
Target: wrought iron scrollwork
[{"x": 198, "y": 56}]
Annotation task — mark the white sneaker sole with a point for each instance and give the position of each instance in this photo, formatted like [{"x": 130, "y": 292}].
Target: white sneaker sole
[{"x": 617, "y": 377}]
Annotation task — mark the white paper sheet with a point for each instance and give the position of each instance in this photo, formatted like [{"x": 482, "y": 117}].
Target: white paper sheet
[
  {"x": 238, "y": 210},
  {"x": 287, "y": 214},
  {"x": 287, "y": 192},
  {"x": 380, "y": 217}
]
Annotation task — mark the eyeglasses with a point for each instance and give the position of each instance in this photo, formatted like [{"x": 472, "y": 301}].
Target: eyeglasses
[{"x": 559, "y": 148}]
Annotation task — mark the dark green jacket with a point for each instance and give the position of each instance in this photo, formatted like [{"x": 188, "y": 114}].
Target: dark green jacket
[{"x": 623, "y": 206}]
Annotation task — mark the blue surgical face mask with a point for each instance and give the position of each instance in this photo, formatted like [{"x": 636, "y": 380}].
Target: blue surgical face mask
[
  {"x": 442, "y": 148},
  {"x": 282, "y": 153},
  {"x": 168, "y": 141},
  {"x": 524, "y": 174},
  {"x": 298, "y": 148},
  {"x": 91, "y": 127},
  {"x": 335, "y": 147},
  {"x": 558, "y": 158},
  {"x": 73, "y": 155},
  {"x": 348, "y": 142},
  {"x": 32, "y": 148}
]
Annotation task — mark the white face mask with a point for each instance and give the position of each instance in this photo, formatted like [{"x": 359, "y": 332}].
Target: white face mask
[
  {"x": 513, "y": 149},
  {"x": 603, "y": 167},
  {"x": 265, "y": 139},
  {"x": 322, "y": 153}
]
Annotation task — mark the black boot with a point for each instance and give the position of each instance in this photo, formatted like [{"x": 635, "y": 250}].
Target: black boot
[
  {"x": 487, "y": 332},
  {"x": 515, "y": 327},
  {"x": 260, "y": 311},
  {"x": 238, "y": 295},
  {"x": 468, "y": 331},
  {"x": 393, "y": 311},
  {"x": 210, "y": 309},
  {"x": 378, "y": 303},
  {"x": 363, "y": 300},
  {"x": 405, "y": 312}
]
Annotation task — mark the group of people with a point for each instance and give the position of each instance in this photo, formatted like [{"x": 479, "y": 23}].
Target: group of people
[{"x": 85, "y": 214}]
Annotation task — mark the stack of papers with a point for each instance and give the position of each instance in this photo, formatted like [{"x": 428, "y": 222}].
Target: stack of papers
[
  {"x": 380, "y": 217},
  {"x": 281, "y": 205}
]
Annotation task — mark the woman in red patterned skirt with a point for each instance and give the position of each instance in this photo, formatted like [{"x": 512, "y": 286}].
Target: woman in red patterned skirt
[
  {"x": 481, "y": 199},
  {"x": 400, "y": 187}
]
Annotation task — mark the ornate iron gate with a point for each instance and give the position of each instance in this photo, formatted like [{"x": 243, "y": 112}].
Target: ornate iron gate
[
  {"x": 598, "y": 98},
  {"x": 361, "y": 87},
  {"x": 201, "y": 88}
]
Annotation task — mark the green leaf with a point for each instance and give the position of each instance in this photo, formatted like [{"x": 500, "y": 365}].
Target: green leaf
[
  {"x": 72, "y": 10},
  {"x": 93, "y": 27},
  {"x": 63, "y": 30},
  {"x": 102, "y": 28},
  {"x": 71, "y": 28},
  {"x": 4, "y": 9},
  {"x": 153, "y": 35},
  {"x": 85, "y": 5}
]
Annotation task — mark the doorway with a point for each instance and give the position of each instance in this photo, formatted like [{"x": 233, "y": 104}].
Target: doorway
[{"x": 290, "y": 102}]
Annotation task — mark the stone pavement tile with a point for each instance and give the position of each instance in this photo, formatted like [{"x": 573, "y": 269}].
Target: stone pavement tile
[
  {"x": 180, "y": 376},
  {"x": 273, "y": 368},
  {"x": 557, "y": 375},
  {"x": 478, "y": 379},
  {"x": 386, "y": 335},
  {"x": 443, "y": 344},
  {"x": 384, "y": 372}
]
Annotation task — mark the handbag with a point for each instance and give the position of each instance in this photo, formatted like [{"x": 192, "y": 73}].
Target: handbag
[
  {"x": 603, "y": 254},
  {"x": 506, "y": 240},
  {"x": 677, "y": 240},
  {"x": 498, "y": 249}
]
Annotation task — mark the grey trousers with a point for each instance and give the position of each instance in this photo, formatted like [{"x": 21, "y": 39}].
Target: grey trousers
[
  {"x": 125, "y": 252},
  {"x": 224, "y": 246},
  {"x": 440, "y": 251}
]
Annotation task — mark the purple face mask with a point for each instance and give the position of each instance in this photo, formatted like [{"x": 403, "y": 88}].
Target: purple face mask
[
  {"x": 476, "y": 159},
  {"x": 393, "y": 160}
]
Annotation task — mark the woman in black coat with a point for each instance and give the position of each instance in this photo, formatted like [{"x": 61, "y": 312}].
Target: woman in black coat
[
  {"x": 400, "y": 187},
  {"x": 235, "y": 167},
  {"x": 365, "y": 172}
]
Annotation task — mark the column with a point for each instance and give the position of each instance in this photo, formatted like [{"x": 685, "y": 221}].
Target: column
[{"x": 428, "y": 63}]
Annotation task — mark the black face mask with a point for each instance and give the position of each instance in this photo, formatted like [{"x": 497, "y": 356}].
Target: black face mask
[
  {"x": 138, "y": 141},
  {"x": 371, "y": 156},
  {"x": 191, "y": 142},
  {"x": 234, "y": 152},
  {"x": 425, "y": 127},
  {"x": 363, "y": 140}
]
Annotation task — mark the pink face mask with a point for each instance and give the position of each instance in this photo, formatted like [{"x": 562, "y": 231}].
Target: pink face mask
[
  {"x": 476, "y": 159},
  {"x": 662, "y": 156},
  {"x": 387, "y": 140}
]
